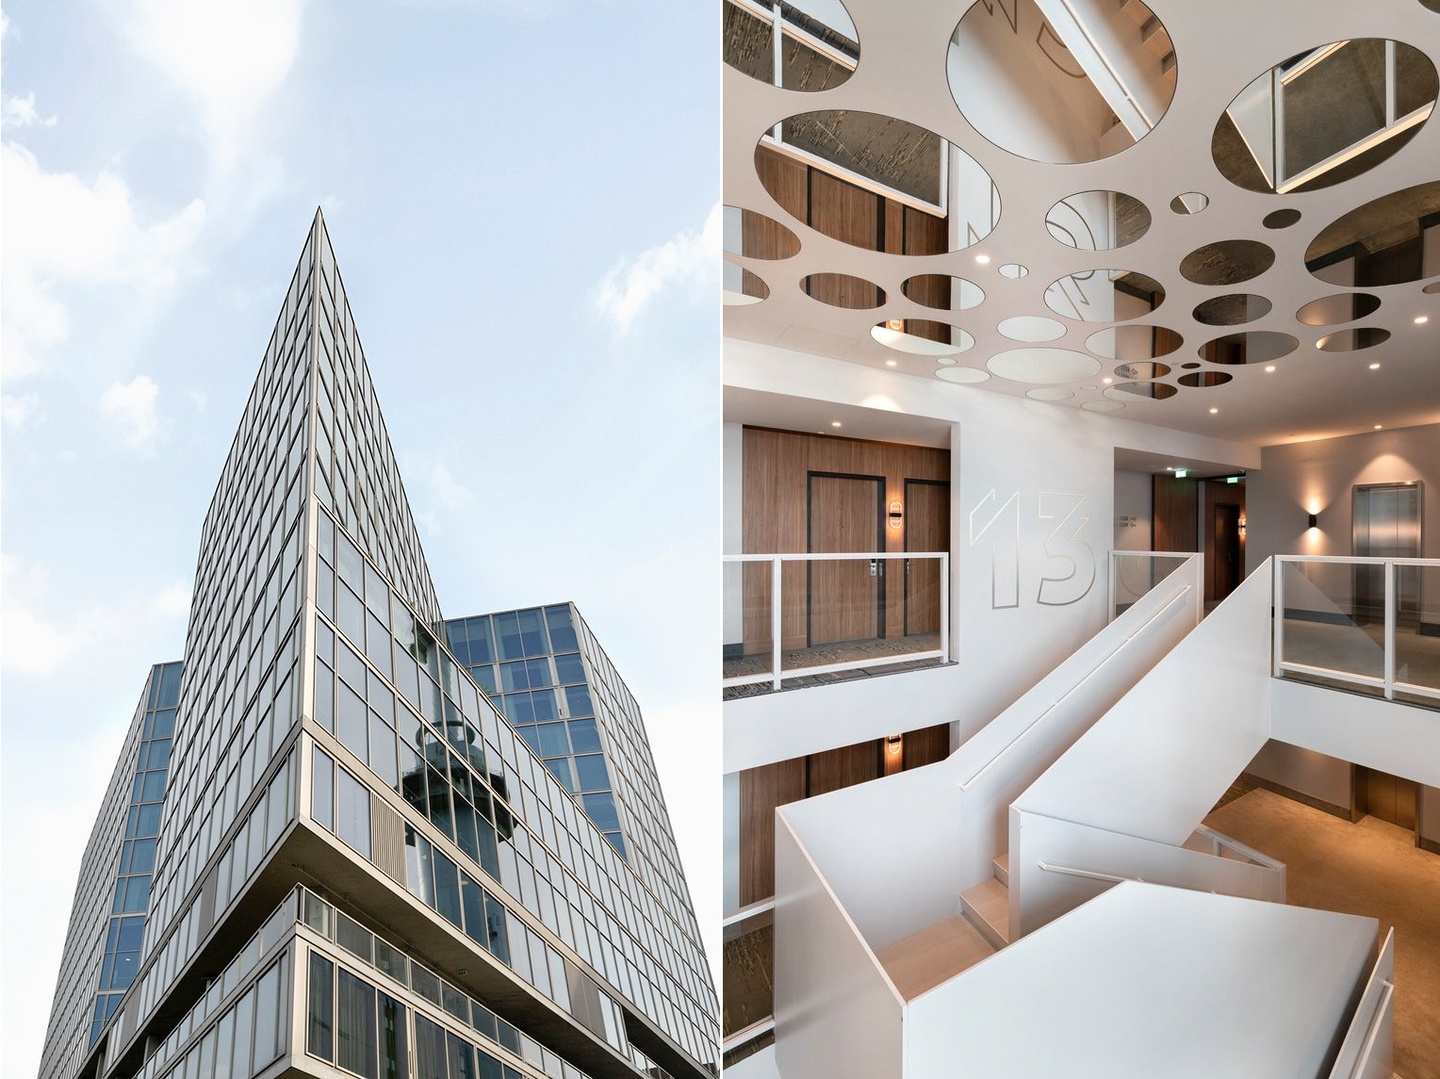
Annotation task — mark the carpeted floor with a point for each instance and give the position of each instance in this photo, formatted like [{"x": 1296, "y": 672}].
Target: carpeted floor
[{"x": 1372, "y": 869}]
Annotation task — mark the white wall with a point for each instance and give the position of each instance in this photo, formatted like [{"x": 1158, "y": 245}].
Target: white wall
[
  {"x": 1096, "y": 993},
  {"x": 1033, "y": 488},
  {"x": 1134, "y": 498},
  {"x": 836, "y": 1012},
  {"x": 1397, "y": 738},
  {"x": 1316, "y": 477}
]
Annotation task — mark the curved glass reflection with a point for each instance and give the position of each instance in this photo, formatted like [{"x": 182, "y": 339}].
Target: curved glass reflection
[
  {"x": 1098, "y": 220},
  {"x": 1104, "y": 295}
]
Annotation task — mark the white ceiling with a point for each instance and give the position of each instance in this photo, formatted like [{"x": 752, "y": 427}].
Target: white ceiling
[{"x": 1220, "y": 46}]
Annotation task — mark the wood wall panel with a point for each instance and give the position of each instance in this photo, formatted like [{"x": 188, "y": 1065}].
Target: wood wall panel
[
  {"x": 925, "y": 234},
  {"x": 1176, "y": 513},
  {"x": 786, "y": 179},
  {"x": 927, "y": 745},
  {"x": 764, "y": 238},
  {"x": 843, "y": 767},
  {"x": 776, "y": 468},
  {"x": 762, "y": 791},
  {"x": 1219, "y": 494},
  {"x": 843, "y": 211}
]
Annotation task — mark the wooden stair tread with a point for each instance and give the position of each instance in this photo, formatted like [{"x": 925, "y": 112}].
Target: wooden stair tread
[
  {"x": 988, "y": 906},
  {"x": 934, "y": 955},
  {"x": 1002, "y": 868}
]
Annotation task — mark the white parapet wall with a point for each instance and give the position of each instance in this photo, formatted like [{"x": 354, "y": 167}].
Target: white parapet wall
[
  {"x": 1401, "y": 739},
  {"x": 1148, "y": 981}
]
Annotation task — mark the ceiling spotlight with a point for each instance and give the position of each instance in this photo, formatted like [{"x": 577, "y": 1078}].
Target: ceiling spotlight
[
  {"x": 1108, "y": 381},
  {"x": 1270, "y": 369},
  {"x": 889, "y": 363},
  {"x": 983, "y": 260},
  {"x": 1378, "y": 426},
  {"x": 1420, "y": 320},
  {"x": 834, "y": 423},
  {"x": 1213, "y": 411},
  {"x": 1374, "y": 367}
]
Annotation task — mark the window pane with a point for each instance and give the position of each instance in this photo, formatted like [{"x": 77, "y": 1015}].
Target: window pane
[
  {"x": 352, "y": 812},
  {"x": 351, "y": 722},
  {"x": 447, "y": 888},
  {"x": 495, "y": 923},
  {"x": 318, "y": 1039},
  {"x": 266, "y": 998},
  {"x": 244, "y": 1021},
  {"x": 568, "y": 667},
  {"x": 393, "y": 1063},
  {"x": 322, "y": 790},
  {"x": 429, "y": 1050},
  {"x": 591, "y": 772},
  {"x": 418, "y": 877},
  {"x": 462, "y": 1057},
  {"x": 583, "y": 736},
  {"x": 355, "y": 1026}
]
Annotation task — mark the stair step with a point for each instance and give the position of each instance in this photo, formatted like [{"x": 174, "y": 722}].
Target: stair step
[
  {"x": 987, "y": 905},
  {"x": 934, "y": 955},
  {"x": 1002, "y": 869}
]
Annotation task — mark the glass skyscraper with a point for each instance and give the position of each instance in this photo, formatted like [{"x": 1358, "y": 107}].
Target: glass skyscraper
[{"x": 324, "y": 846}]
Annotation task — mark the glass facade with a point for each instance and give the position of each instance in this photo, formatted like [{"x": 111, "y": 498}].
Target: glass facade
[{"x": 324, "y": 731}]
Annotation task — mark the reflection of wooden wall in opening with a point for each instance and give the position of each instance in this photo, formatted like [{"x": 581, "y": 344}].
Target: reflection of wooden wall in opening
[
  {"x": 1221, "y": 575},
  {"x": 769, "y": 786},
  {"x": 774, "y": 515}
]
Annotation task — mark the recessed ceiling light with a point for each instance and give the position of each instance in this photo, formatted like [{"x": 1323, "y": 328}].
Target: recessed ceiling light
[
  {"x": 1374, "y": 367},
  {"x": 834, "y": 423},
  {"x": 889, "y": 363},
  {"x": 1108, "y": 381},
  {"x": 1420, "y": 320},
  {"x": 1270, "y": 369},
  {"x": 1213, "y": 411},
  {"x": 1378, "y": 426},
  {"x": 1318, "y": 343},
  {"x": 983, "y": 260}
]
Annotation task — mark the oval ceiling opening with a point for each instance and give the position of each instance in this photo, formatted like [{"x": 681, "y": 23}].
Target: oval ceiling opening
[
  {"x": 1335, "y": 120},
  {"x": 1055, "y": 92},
  {"x": 818, "y": 46},
  {"x": 1098, "y": 220},
  {"x": 1104, "y": 295}
]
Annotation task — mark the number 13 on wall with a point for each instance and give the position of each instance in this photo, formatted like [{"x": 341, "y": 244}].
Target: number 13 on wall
[{"x": 1063, "y": 560}]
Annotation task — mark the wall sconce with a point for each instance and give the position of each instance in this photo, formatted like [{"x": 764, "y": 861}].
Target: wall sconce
[
  {"x": 897, "y": 515},
  {"x": 1313, "y": 521},
  {"x": 1242, "y": 526},
  {"x": 894, "y": 753}
]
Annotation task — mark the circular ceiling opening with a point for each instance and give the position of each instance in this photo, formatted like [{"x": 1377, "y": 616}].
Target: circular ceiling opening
[
  {"x": 827, "y": 168},
  {"x": 1353, "y": 340},
  {"x": 1134, "y": 342},
  {"x": 962, "y": 375},
  {"x": 1031, "y": 328},
  {"x": 755, "y": 236},
  {"x": 1188, "y": 366},
  {"x": 1103, "y": 406},
  {"x": 1232, "y": 309},
  {"x": 1342, "y": 307},
  {"x": 1140, "y": 371},
  {"x": 1049, "y": 393},
  {"x": 1189, "y": 202},
  {"x": 1055, "y": 95},
  {"x": 1098, "y": 220},
  {"x": 1227, "y": 262},
  {"x": 1104, "y": 295},
  {"x": 921, "y": 337},
  {"x": 818, "y": 47},
  {"x": 1014, "y": 270},
  {"x": 1375, "y": 244},
  {"x": 1432, "y": 288},
  {"x": 1335, "y": 122},
  {"x": 843, "y": 290},
  {"x": 1157, "y": 391},
  {"x": 740, "y": 286},
  {"x": 1280, "y": 219},
  {"x": 1253, "y": 346},
  {"x": 1043, "y": 365},
  {"x": 943, "y": 292},
  {"x": 1202, "y": 379}
]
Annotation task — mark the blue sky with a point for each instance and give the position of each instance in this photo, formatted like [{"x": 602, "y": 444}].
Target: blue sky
[{"x": 523, "y": 203}]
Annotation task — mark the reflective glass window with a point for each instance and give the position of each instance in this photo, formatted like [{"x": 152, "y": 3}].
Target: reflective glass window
[
  {"x": 553, "y": 741},
  {"x": 447, "y": 888},
  {"x": 355, "y": 1027},
  {"x": 577, "y": 700},
  {"x": 429, "y": 1049},
  {"x": 352, "y": 812},
  {"x": 393, "y": 1056},
  {"x": 600, "y": 808},
  {"x": 591, "y": 772},
  {"x": 322, "y": 790},
  {"x": 462, "y": 1057},
  {"x": 562, "y": 629},
  {"x": 568, "y": 667},
  {"x": 584, "y": 735}
]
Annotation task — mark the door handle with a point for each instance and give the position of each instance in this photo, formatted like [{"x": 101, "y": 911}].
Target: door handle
[{"x": 874, "y": 567}]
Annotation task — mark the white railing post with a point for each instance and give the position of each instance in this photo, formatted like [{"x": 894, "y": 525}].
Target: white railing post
[
  {"x": 945, "y": 606},
  {"x": 1391, "y": 602},
  {"x": 775, "y": 609},
  {"x": 1277, "y": 567}
]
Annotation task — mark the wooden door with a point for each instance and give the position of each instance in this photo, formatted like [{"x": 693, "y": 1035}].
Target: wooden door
[
  {"x": 846, "y": 597},
  {"x": 927, "y": 528},
  {"x": 1225, "y": 537}
]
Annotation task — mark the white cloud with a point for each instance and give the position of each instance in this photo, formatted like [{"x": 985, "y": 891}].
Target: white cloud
[
  {"x": 444, "y": 486},
  {"x": 20, "y": 112},
  {"x": 173, "y": 601},
  {"x": 132, "y": 406},
  {"x": 33, "y": 646},
  {"x": 230, "y": 54},
  {"x": 688, "y": 256},
  {"x": 199, "y": 400},
  {"x": 21, "y": 410},
  {"x": 61, "y": 232}
]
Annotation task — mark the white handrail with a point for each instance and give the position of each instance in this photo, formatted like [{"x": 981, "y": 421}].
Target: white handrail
[
  {"x": 1072, "y": 871},
  {"x": 832, "y": 556},
  {"x": 735, "y": 917},
  {"x": 747, "y": 1034},
  {"x": 1223, "y": 840}
]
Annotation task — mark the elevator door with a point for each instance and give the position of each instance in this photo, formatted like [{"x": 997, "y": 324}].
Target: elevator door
[
  {"x": 1386, "y": 524},
  {"x": 846, "y": 596},
  {"x": 927, "y": 528}
]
